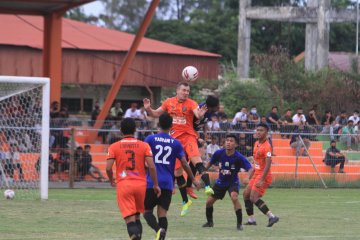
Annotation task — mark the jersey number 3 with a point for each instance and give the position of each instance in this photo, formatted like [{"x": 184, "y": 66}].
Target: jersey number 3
[{"x": 162, "y": 159}]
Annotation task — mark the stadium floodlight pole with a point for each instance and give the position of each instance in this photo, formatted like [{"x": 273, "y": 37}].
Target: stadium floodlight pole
[
  {"x": 312, "y": 162},
  {"x": 125, "y": 66}
]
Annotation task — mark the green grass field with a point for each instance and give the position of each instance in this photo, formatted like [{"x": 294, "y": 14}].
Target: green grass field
[{"x": 93, "y": 214}]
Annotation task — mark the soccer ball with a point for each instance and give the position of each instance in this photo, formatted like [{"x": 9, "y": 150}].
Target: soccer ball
[
  {"x": 9, "y": 194},
  {"x": 190, "y": 73}
]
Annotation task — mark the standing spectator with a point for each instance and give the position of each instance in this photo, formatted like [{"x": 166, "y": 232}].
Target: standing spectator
[
  {"x": 273, "y": 119},
  {"x": 240, "y": 116},
  {"x": 95, "y": 113},
  {"x": 296, "y": 143},
  {"x": 253, "y": 117},
  {"x": 132, "y": 112},
  {"x": 348, "y": 135},
  {"x": 54, "y": 110},
  {"x": 299, "y": 118},
  {"x": 116, "y": 111},
  {"x": 355, "y": 117},
  {"x": 333, "y": 157},
  {"x": 212, "y": 147},
  {"x": 78, "y": 164}
]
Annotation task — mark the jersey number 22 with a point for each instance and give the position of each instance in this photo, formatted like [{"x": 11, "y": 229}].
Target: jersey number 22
[{"x": 162, "y": 159}]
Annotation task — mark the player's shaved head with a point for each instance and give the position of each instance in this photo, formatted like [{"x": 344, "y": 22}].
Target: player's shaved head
[
  {"x": 165, "y": 121},
  {"x": 128, "y": 126}
]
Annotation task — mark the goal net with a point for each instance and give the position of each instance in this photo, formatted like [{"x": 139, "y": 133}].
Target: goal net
[{"x": 24, "y": 136}]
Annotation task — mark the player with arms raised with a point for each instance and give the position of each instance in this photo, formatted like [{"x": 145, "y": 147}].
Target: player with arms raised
[
  {"x": 130, "y": 156},
  {"x": 165, "y": 150},
  {"x": 183, "y": 110},
  {"x": 261, "y": 179},
  {"x": 230, "y": 161}
]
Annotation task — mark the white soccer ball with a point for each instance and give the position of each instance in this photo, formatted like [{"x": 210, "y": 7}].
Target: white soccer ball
[
  {"x": 190, "y": 73},
  {"x": 9, "y": 194}
]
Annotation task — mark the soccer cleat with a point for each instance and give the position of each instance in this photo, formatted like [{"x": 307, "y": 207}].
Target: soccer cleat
[
  {"x": 272, "y": 221},
  {"x": 190, "y": 192},
  {"x": 209, "y": 191},
  {"x": 185, "y": 208},
  {"x": 160, "y": 235},
  {"x": 208, "y": 225},
  {"x": 250, "y": 223},
  {"x": 239, "y": 227}
]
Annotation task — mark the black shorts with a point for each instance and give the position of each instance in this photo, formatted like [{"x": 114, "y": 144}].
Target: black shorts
[
  {"x": 219, "y": 191},
  {"x": 151, "y": 200}
]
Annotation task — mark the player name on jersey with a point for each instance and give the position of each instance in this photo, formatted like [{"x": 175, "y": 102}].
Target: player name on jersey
[{"x": 164, "y": 140}]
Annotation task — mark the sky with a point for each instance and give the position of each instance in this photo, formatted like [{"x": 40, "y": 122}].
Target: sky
[{"x": 94, "y": 8}]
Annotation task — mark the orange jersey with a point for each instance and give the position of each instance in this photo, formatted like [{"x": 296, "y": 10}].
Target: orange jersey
[
  {"x": 261, "y": 152},
  {"x": 182, "y": 114},
  {"x": 129, "y": 154}
]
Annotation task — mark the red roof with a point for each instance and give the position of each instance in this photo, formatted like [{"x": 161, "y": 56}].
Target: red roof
[{"x": 21, "y": 30}]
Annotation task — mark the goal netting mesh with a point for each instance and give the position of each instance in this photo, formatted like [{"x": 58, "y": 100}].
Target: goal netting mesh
[{"x": 21, "y": 136}]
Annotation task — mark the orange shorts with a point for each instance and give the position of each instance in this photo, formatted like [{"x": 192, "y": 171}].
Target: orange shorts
[
  {"x": 190, "y": 146},
  {"x": 262, "y": 189},
  {"x": 130, "y": 197}
]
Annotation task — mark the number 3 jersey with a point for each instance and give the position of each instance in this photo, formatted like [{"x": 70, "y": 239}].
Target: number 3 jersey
[
  {"x": 229, "y": 166},
  {"x": 165, "y": 150},
  {"x": 129, "y": 154}
]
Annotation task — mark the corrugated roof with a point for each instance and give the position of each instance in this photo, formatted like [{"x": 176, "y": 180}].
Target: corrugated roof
[{"x": 21, "y": 30}]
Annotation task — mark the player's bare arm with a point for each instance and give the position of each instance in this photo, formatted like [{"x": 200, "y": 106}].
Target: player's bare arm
[
  {"x": 188, "y": 171},
  {"x": 200, "y": 112},
  {"x": 153, "y": 175},
  {"x": 109, "y": 171},
  {"x": 266, "y": 170},
  {"x": 152, "y": 112}
]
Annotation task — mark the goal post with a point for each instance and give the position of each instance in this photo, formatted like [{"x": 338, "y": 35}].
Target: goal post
[{"x": 24, "y": 135}]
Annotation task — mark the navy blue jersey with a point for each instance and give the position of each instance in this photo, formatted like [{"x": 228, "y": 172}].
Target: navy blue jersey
[
  {"x": 199, "y": 124},
  {"x": 165, "y": 150},
  {"x": 229, "y": 167}
]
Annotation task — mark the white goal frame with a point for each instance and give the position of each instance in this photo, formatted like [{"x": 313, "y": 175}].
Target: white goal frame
[{"x": 45, "y": 124}]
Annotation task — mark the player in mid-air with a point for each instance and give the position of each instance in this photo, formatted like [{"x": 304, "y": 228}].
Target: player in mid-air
[
  {"x": 261, "y": 178},
  {"x": 130, "y": 156},
  {"x": 183, "y": 110},
  {"x": 165, "y": 151},
  {"x": 230, "y": 162}
]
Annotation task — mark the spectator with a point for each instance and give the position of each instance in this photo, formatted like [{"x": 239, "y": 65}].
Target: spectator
[
  {"x": 114, "y": 133},
  {"x": 213, "y": 125},
  {"x": 348, "y": 136},
  {"x": 62, "y": 161},
  {"x": 240, "y": 116},
  {"x": 355, "y": 117},
  {"x": 108, "y": 124},
  {"x": 286, "y": 124},
  {"x": 221, "y": 113},
  {"x": 224, "y": 124},
  {"x": 312, "y": 119},
  {"x": 296, "y": 142},
  {"x": 132, "y": 112},
  {"x": 78, "y": 163},
  {"x": 51, "y": 164},
  {"x": 54, "y": 109},
  {"x": 13, "y": 162},
  {"x": 253, "y": 117},
  {"x": 212, "y": 147},
  {"x": 299, "y": 118},
  {"x": 327, "y": 122},
  {"x": 143, "y": 115},
  {"x": 245, "y": 147},
  {"x": 116, "y": 111},
  {"x": 95, "y": 113},
  {"x": 87, "y": 167},
  {"x": 273, "y": 119},
  {"x": 333, "y": 157},
  {"x": 340, "y": 121}
]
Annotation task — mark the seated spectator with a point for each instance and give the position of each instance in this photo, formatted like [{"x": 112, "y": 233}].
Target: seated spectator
[
  {"x": 62, "y": 161},
  {"x": 312, "y": 120},
  {"x": 116, "y": 111},
  {"x": 340, "y": 121},
  {"x": 299, "y": 118},
  {"x": 253, "y": 117},
  {"x": 114, "y": 133},
  {"x": 212, "y": 147},
  {"x": 287, "y": 125},
  {"x": 88, "y": 168},
  {"x": 296, "y": 142},
  {"x": 221, "y": 113},
  {"x": 107, "y": 124},
  {"x": 51, "y": 164},
  {"x": 348, "y": 136},
  {"x": 13, "y": 162},
  {"x": 333, "y": 157},
  {"x": 224, "y": 124},
  {"x": 95, "y": 113},
  {"x": 240, "y": 116},
  {"x": 273, "y": 119},
  {"x": 143, "y": 114},
  {"x": 355, "y": 117},
  {"x": 327, "y": 121},
  {"x": 77, "y": 159},
  {"x": 54, "y": 110},
  {"x": 244, "y": 146},
  {"x": 213, "y": 124},
  {"x": 132, "y": 112}
]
